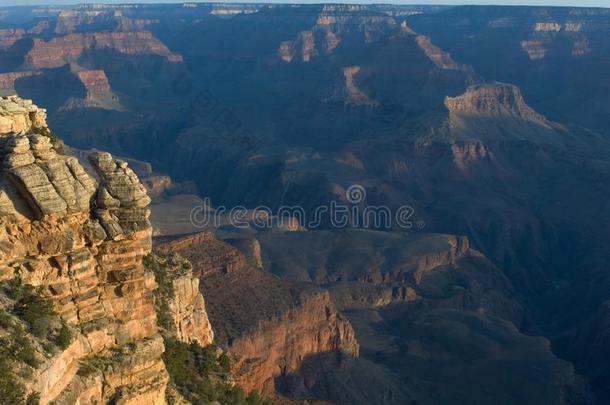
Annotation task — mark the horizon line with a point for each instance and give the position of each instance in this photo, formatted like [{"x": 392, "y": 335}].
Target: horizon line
[{"x": 68, "y": 3}]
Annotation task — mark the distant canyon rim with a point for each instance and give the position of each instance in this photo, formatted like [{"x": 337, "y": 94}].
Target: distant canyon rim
[{"x": 485, "y": 129}]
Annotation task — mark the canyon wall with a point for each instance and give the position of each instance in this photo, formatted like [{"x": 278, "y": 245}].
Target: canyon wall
[
  {"x": 68, "y": 49},
  {"x": 268, "y": 325},
  {"x": 80, "y": 242}
]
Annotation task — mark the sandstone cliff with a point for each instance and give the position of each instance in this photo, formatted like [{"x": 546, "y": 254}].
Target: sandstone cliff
[
  {"x": 80, "y": 242},
  {"x": 180, "y": 307},
  {"x": 270, "y": 326}
]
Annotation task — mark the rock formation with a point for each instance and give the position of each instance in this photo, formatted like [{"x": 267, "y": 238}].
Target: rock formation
[
  {"x": 268, "y": 325},
  {"x": 492, "y": 100},
  {"x": 81, "y": 242},
  {"x": 7, "y": 81},
  {"x": 179, "y": 300},
  {"x": 20, "y": 116},
  {"x": 497, "y": 111},
  {"x": 67, "y": 49},
  {"x": 9, "y": 36},
  {"x": 99, "y": 94},
  {"x": 334, "y": 24}
]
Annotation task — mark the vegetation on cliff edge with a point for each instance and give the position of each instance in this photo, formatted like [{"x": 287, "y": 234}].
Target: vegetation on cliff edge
[
  {"x": 202, "y": 375},
  {"x": 29, "y": 330}
]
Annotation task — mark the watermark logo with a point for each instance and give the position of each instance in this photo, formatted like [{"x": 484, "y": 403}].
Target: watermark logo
[
  {"x": 355, "y": 194},
  {"x": 335, "y": 215}
]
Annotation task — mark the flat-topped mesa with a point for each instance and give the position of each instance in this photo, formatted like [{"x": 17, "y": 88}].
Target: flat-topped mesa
[
  {"x": 494, "y": 100},
  {"x": 497, "y": 112}
]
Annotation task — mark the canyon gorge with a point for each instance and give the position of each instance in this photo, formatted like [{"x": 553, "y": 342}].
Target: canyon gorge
[{"x": 479, "y": 119}]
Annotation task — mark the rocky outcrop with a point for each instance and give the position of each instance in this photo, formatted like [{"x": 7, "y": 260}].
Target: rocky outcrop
[
  {"x": 18, "y": 115},
  {"x": 69, "y": 21},
  {"x": 304, "y": 47},
  {"x": 540, "y": 42},
  {"x": 497, "y": 111},
  {"x": 535, "y": 49},
  {"x": 269, "y": 326},
  {"x": 179, "y": 301},
  {"x": 122, "y": 202},
  {"x": 312, "y": 327},
  {"x": 99, "y": 94},
  {"x": 188, "y": 311},
  {"x": 335, "y": 23},
  {"x": 63, "y": 50},
  {"x": 493, "y": 100},
  {"x": 353, "y": 94},
  {"x": 440, "y": 58},
  {"x": 207, "y": 255},
  {"x": 7, "y": 81},
  {"x": 9, "y": 36},
  {"x": 81, "y": 242}
]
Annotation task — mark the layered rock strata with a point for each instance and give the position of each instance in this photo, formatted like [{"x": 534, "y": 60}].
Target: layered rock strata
[
  {"x": 81, "y": 243},
  {"x": 180, "y": 301},
  {"x": 268, "y": 326},
  {"x": 63, "y": 50}
]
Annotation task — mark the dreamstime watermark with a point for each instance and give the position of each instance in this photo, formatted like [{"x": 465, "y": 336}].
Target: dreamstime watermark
[{"x": 338, "y": 215}]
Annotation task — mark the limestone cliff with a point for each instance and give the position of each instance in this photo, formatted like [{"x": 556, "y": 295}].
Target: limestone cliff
[{"x": 80, "y": 242}]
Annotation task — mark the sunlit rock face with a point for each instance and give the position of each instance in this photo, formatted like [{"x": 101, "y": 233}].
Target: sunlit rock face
[
  {"x": 80, "y": 238},
  {"x": 270, "y": 327}
]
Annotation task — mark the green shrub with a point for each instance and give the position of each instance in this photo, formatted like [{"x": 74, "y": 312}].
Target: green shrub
[
  {"x": 201, "y": 376},
  {"x": 16, "y": 345},
  {"x": 20, "y": 347},
  {"x": 224, "y": 363},
  {"x": 6, "y": 322},
  {"x": 30, "y": 306},
  {"x": 11, "y": 392},
  {"x": 33, "y": 399},
  {"x": 164, "y": 291},
  {"x": 64, "y": 337}
]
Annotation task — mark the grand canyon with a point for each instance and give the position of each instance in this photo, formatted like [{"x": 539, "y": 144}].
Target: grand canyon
[{"x": 491, "y": 124}]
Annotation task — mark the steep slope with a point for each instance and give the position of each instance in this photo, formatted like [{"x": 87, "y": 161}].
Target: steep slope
[
  {"x": 68, "y": 49},
  {"x": 392, "y": 106},
  {"x": 85, "y": 310},
  {"x": 77, "y": 257},
  {"x": 496, "y": 112},
  {"x": 589, "y": 346},
  {"x": 270, "y": 326},
  {"x": 433, "y": 316}
]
